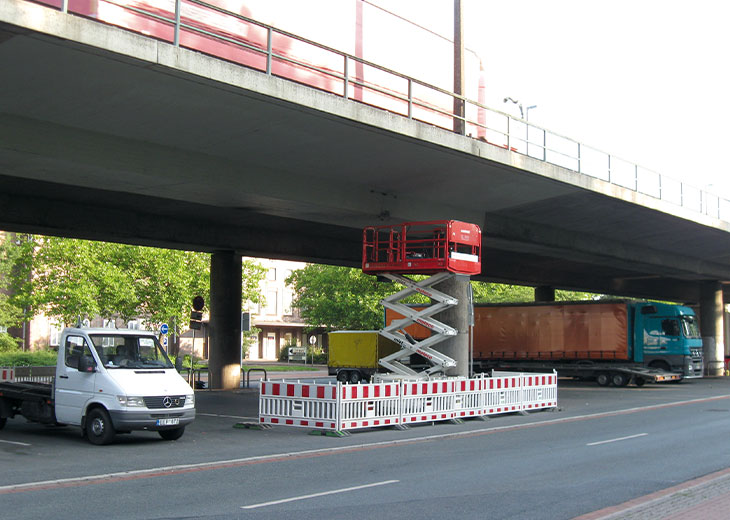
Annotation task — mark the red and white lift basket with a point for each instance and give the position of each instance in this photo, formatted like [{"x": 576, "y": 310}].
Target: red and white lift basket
[{"x": 422, "y": 247}]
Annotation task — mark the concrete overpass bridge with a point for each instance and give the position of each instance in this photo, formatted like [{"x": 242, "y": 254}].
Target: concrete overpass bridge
[{"x": 111, "y": 135}]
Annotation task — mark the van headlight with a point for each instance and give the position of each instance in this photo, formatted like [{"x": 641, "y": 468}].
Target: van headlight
[
  {"x": 190, "y": 399},
  {"x": 130, "y": 401}
]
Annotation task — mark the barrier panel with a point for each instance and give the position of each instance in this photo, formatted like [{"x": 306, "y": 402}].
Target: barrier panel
[
  {"x": 340, "y": 407},
  {"x": 7, "y": 374},
  {"x": 299, "y": 404},
  {"x": 427, "y": 401},
  {"x": 469, "y": 397},
  {"x": 539, "y": 391},
  {"x": 369, "y": 405}
]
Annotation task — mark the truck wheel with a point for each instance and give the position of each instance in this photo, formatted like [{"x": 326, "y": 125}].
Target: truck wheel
[
  {"x": 603, "y": 379},
  {"x": 172, "y": 435},
  {"x": 99, "y": 428},
  {"x": 619, "y": 379},
  {"x": 343, "y": 376},
  {"x": 355, "y": 377},
  {"x": 3, "y": 420},
  {"x": 640, "y": 381}
]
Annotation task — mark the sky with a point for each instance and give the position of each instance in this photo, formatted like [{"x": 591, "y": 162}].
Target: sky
[{"x": 643, "y": 80}]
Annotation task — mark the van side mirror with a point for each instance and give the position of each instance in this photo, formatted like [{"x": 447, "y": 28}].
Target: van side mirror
[
  {"x": 86, "y": 364},
  {"x": 178, "y": 363}
]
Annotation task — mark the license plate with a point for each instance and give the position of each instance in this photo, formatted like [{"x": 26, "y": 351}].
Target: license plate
[{"x": 168, "y": 422}]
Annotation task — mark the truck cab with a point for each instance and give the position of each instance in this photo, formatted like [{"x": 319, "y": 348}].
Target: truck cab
[
  {"x": 112, "y": 381},
  {"x": 667, "y": 337}
]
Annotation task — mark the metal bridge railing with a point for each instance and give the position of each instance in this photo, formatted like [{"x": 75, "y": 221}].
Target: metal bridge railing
[{"x": 211, "y": 29}]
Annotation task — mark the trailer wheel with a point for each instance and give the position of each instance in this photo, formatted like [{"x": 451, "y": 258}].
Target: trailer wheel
[
  {"x": 355, "y": 377},
  {"x": 603, "y": 379},
  {"x": 99, "y": 428},
  {"x": 343, "y": 376},
  {"x": 660, "y": 365},
  {"x": 3, "y": 420},
  {"x": 619, "y": 379},
  {"x": 639, "y": 381}
]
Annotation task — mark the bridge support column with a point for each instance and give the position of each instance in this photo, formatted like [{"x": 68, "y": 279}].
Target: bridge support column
[
  {"x": 711, "y": 328},
  {"x": 456, "y": 347},
  {"x": 544, "y": 293},
  {"x": 224, "y": 365}
]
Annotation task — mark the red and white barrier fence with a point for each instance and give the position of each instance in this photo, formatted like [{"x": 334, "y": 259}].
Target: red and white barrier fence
[
  {"x": 340, "y": 407},
  {"x": 7, "y": 374}
]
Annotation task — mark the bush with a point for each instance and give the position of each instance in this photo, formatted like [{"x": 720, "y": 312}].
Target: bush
[
  {"x": 38, "y": 358},
  {"x": 8, "y": 343}
]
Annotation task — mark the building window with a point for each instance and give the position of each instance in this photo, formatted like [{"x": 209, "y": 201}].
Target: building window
[
  {"x": 288, "y": 295},
  {"x": 3, "y": 329},
  {"x": 271, "y": 299},
  {"x": 54, "y": 335},
  {"x": 271, "y": 274}
]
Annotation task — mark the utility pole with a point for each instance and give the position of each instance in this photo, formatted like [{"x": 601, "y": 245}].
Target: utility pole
[{"x": 459, "y": 123}]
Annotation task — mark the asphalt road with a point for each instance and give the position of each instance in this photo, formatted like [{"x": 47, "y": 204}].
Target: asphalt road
[{"x": 603, "y": 447}]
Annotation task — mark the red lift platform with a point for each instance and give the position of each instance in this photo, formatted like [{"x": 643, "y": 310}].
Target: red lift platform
[
  {"x": 422, "y": 248},
  {"x": 440, "y": 248}
]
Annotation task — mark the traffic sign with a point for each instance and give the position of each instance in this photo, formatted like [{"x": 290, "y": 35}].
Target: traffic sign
[{"x": 164, "y": 329}]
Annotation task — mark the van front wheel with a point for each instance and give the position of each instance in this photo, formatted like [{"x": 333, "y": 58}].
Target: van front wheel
[
  {"x": 99, "y": 428},
  {"x": 172, "y": 435}
]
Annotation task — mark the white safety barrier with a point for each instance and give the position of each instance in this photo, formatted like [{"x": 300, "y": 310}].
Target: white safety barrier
[
  {"x": 340, "y": 407},
  {"x": 7, "y": 374}
]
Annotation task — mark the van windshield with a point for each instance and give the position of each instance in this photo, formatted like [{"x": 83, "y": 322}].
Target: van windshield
[
  {"x": 127, "y": 351},
  {"x": 689, "y": 327}
]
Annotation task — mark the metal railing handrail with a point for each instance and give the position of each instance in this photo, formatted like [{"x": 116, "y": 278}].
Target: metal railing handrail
[{"x": 514, "y": 141}]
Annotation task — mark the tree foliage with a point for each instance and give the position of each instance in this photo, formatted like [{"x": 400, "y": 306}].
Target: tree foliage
[
  {"x": 338, "y": 298},
  {"x": 69, "y": 278}
]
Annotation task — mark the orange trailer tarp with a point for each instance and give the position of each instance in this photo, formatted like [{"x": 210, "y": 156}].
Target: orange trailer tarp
[{"x": 557, "y": 331}]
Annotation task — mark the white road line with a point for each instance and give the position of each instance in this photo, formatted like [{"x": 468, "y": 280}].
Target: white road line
[
  {"x": 227, "y": 416},
  {"x": 17, "y": 443},
  {"x": 323, "y": 493},
  {"x": 616, "y": 440}
]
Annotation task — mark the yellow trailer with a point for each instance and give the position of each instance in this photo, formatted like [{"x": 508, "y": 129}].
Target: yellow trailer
[{"x": 354, "y": 354}]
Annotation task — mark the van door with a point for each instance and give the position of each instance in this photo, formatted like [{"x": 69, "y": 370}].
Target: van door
[{"x": 73, "y": 388}]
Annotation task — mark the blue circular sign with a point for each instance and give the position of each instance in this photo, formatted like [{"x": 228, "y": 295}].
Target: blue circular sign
[{"x": 164, "y": 328}]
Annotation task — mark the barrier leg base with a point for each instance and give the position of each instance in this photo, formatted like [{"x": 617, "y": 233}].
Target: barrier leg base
[
  {"x": 401, "y": 427},
  {"x": 252, "y": 426},
  {"x": 330, "y": 433},
  {"x": 456, "y": 420}
]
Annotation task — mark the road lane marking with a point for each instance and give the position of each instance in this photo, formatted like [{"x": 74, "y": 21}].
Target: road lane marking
[
  {"x": 323, "y": 493},
  {"x": 281, "y": 457},
  {"x": 17, "y": 443},
  {"x": 227, "y": 416},
  {"x": 617, "y": 440}
]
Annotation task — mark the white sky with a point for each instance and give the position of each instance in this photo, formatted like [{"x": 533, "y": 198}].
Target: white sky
[{"x": 644, "y": 80}]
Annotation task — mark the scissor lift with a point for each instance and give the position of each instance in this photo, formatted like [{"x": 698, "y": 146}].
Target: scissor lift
[{"x": 444, "y": 249}]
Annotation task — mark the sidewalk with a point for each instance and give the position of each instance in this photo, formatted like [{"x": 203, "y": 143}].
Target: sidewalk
[{"x": 705, "y": 498}]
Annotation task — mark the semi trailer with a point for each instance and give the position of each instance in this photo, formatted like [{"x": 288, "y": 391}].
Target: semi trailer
[{"x": 611, "y": 341}]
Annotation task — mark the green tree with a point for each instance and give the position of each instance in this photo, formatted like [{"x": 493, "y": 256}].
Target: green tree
[
  {"x": 67, "y": 278},
  {"x": 338, "y": 298}
]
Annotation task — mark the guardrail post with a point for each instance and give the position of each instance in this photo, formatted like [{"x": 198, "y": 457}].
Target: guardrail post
[
  {"x": 347, "y": 77},
  {"x": 269, "y": 47},
  {"x": 64, "y": 6},
  {"x": 410, "y": 98},
  {"x": 579, "y": 161},
  {"x": 176, "y": 40}
]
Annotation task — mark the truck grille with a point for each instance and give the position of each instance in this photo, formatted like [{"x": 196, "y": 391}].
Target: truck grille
[
  {"x": 696, "y": 354},
  {"x": 169, "y": 401}
]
